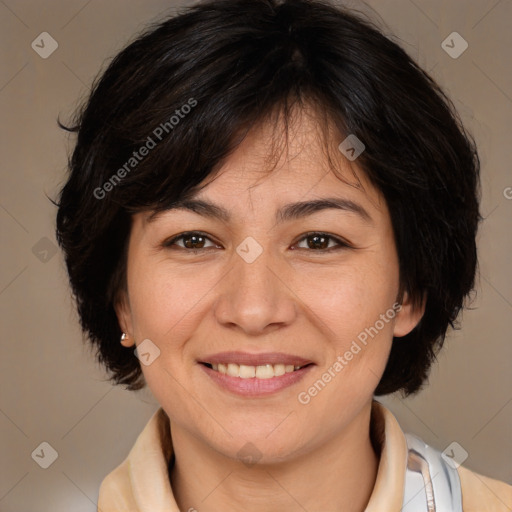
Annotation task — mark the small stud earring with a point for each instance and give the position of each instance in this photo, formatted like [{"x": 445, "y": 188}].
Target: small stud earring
[{"x": 124, "y": 340}]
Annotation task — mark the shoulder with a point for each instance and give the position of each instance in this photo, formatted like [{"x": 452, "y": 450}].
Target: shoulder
[{"x": 483, "y": 494}]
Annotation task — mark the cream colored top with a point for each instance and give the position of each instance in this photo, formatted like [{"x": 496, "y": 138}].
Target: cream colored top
[{"x": 141, "y": 482}]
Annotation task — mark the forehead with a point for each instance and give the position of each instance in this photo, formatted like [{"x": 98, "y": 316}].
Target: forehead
[
  {"x": 284, "y": 166},
  {"x": 273, "y": 168}
]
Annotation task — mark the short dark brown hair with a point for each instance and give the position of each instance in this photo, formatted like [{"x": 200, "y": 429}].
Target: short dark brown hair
[{"x": 199, "y": 80}]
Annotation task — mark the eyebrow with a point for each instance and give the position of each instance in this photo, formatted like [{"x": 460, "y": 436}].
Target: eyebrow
[{"x": 287, "y": 212}]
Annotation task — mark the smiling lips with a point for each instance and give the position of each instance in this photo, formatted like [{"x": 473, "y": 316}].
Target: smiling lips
[{"x": 255, "y": 374}]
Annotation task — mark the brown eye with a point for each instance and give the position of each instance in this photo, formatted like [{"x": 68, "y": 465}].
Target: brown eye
[
  {"x": 320, "y": 242},
  {"x": 193, "y": 240}
]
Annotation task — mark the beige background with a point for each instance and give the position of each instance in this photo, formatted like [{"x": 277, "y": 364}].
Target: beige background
[{"x": 53, "y": 391}]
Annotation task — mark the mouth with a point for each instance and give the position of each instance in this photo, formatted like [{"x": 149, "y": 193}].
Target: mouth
[{"x": 255, "y": 374}]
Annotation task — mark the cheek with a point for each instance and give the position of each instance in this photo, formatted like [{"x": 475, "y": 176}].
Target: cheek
[
  {"x": 357, "y": 321},
  {"x": 168, "y": 305},
  {"x": 164, "y": 304},
  {"x": 352, "y": 298},
  {"x": 162, "y": 298}
]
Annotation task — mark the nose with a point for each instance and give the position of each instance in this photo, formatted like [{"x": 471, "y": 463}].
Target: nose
[{"x": 255, "y": 298}]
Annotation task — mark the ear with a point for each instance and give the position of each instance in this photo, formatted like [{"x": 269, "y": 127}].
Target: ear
[
  {"x": 124, "y": 317},
  {"x": 408, "y": 316}
]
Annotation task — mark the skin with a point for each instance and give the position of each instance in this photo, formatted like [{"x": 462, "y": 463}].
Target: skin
[{"x": 303, "y": 301}]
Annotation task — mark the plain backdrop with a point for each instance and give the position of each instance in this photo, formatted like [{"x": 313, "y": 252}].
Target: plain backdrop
[{"x": 51, "y": 388}]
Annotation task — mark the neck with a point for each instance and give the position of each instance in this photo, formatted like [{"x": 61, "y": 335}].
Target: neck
[{"x": 338, "y": 475}]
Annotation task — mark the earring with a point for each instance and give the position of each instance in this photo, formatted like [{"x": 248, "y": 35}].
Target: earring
[{"x": 125, "y": 340}]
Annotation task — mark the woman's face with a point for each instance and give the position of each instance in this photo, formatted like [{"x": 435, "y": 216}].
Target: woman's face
[{"x": 253, "y": 288}]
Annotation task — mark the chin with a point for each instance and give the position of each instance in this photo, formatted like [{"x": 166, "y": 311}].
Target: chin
[{"x": 264, "y": 444}]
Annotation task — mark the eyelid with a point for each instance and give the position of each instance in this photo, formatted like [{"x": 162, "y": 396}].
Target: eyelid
[{"x": 341, "y": 242}]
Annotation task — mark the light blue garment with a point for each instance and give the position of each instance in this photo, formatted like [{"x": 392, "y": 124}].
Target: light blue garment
[{"x": 432, "y": 483}]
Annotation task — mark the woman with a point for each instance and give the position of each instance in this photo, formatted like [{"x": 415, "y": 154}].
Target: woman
[{"x": 270, "y": 220}]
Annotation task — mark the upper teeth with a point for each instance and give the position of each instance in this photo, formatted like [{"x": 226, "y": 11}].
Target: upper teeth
[{"x": 243, "y": 371}]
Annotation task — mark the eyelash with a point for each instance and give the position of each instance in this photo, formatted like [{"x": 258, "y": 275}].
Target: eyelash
[{"x": 342, "y": 244}]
